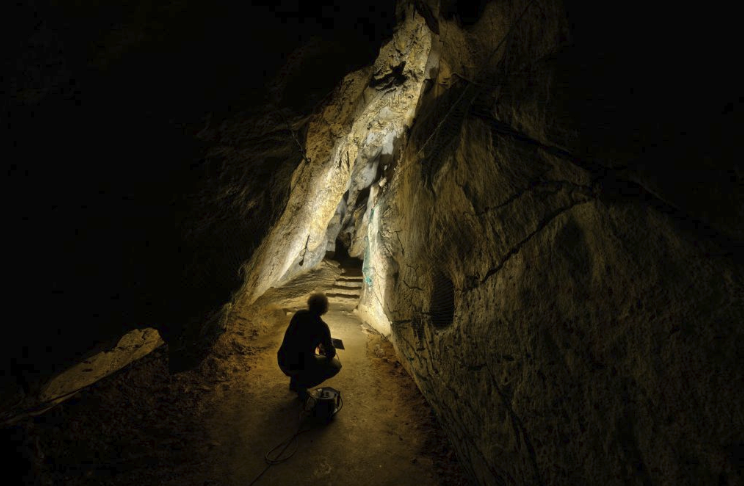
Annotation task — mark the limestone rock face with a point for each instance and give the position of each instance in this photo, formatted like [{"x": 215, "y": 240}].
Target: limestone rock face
[
  {"x": 131, "y": 347},
  {"x": 570, "y": 310},
  {"x": 346, "y": 144},
  {"x": 150, "y": 149},
  {"x": 547, "y": 196},
  {"x": 573, "y": 315}
]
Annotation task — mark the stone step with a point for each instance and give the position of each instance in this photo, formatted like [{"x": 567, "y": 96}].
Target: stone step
[
  {"x": 343, "y": 301},
  {"x": 332, "y": 297},
  {"x": 356, "y": 284},
  {"x": 350, "y": 278},
  {"x": 351, "y": 291}
]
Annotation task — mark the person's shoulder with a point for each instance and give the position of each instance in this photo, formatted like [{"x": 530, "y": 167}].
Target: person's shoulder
[
  {"x": 301, "y": 315},
  {"x": 308, "y": 317}
]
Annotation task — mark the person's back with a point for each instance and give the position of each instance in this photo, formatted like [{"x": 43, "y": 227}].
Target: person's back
[
  {"x": 296, "y": 356},
  {"x": 305, "y": 333}
]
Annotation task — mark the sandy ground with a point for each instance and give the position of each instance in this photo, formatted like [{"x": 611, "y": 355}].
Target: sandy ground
[
  {"x": 376, "y": 439},
  {"x": 213, "y": 425}
]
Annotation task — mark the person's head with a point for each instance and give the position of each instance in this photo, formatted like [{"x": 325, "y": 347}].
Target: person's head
[{"x": 318, "y": 304}]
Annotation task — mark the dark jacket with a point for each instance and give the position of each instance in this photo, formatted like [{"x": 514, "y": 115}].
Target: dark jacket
[{"x": 305, "y": 332}]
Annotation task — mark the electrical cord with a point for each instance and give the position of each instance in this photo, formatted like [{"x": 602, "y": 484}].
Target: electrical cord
[
  {"x": 278, "y": 459},
  {"x": 307, "y": 409}
]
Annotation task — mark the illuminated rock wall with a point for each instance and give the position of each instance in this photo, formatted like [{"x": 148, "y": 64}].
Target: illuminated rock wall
[
  {"x": 573, "y": 317},
  {"x": 150, "y": 151},
  {"x": 546, "y": 194},
  {"x": 558, "y": 266},
  {"x": 346, "y": 144}
]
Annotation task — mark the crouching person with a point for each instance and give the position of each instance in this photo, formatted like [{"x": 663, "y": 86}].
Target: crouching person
[{"x": 297, "y": 358}]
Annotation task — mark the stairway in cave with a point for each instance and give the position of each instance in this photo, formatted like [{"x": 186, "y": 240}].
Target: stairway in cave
[
  {"x": 347, "y": 289},
  {"x": 348, "y": 286}
]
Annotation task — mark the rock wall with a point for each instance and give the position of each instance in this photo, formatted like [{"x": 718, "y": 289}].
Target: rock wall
[
  {"x": 547, "y": 196},
  {"x": 572, "y": 312},
  {"x": 150, "y": 149},
  {"x": 131, "y": 347},
  {"x": 346, "y": 143}
]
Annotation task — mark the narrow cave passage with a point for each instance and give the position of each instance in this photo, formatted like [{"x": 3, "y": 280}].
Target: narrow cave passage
[
  {"x": 213, "y": 425},
  {"x": 535, "y": 206},
  {"x": 383, "y": 435}
]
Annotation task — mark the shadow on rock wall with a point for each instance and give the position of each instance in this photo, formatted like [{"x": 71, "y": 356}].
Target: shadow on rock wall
[
  {"x": 586, "y": 203},
  {"x": 146, "y": 162}
]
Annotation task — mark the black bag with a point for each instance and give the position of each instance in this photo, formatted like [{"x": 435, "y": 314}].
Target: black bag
[{"x": 327, "y": 403}]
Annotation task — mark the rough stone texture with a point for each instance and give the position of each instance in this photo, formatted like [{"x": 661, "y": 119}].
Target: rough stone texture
[
  {"x": 554, "y": 243},
  {"x": 96, "y": 365},
  {"x": 150, "y": 148},
  {"x": 573, "y": 318},
  {"x": 131, "y": 347},
  {"x": 593, "y": 330},
  {"x": 346, "y": 142}
]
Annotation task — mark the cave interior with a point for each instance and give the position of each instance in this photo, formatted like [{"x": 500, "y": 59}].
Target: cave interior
[{"x": 544, "y": 199}]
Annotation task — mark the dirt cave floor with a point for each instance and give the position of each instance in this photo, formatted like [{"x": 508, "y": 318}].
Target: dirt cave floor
[{"x": 213, "y": 425}]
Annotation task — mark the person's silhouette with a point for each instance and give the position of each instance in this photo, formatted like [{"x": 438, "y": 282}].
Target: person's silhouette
[{"x": 297, "y": 358}]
